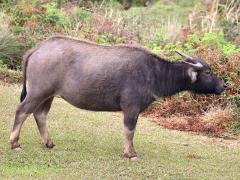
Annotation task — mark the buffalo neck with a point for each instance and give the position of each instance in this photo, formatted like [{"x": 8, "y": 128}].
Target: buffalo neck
[{"x": 170, "y": 78}]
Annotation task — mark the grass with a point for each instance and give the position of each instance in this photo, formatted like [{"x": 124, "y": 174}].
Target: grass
[{"x": 89, "y": 146}]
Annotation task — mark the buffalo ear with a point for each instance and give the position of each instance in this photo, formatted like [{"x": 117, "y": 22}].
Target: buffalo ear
[{"x": 192, "y": 74}]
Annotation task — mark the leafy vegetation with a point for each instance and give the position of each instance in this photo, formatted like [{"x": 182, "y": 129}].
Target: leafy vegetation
[{"x": 10, "y": 47}]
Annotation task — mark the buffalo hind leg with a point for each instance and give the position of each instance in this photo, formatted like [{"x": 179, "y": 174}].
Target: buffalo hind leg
[
  {"x": 40, "y": 115},
  {"x": 24, "y": 109},
  {"x": 130, "y": 121},
  {"x": 20, "y": 117}
]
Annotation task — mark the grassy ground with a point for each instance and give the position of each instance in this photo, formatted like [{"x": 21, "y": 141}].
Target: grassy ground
[{"x": 89, "y": 146}]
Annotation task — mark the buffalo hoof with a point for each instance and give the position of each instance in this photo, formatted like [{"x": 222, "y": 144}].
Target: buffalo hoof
[
  {"x": 18, "y": 149},
  {"x": 49, "y": 145},
  {"x": 132, "y": 155},
  {"x": 136, "y": 158},
  {"x": 15, "y": 145}
]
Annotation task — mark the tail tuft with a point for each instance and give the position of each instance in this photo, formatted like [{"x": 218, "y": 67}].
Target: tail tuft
[{"x": 24, "y": 91}]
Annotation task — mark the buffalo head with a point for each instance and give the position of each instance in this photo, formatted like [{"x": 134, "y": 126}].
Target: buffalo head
[{"x": 203, "y": 80}]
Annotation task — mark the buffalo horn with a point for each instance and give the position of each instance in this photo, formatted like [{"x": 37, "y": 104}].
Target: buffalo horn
[
  {"x": 183, "y": 55},
  {"x": 197, "y": 65}
]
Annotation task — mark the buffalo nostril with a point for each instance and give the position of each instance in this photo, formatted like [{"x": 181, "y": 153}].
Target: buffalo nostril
[{"x": 225, "y": 86}]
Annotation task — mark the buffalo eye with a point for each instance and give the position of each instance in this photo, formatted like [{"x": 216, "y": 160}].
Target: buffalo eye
[{"x": 208, "y": 72}]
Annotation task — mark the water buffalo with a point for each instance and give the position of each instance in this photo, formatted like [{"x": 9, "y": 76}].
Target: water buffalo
[{"x": 103, "y": 78}]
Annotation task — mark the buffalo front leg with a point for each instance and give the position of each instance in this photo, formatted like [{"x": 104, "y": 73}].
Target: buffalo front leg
[
  {"x": 40, "y": 116},
  {"x": 130, "y": 121}
]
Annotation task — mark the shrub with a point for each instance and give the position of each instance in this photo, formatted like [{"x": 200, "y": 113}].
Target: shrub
[
  {"x": 79, "y": 15},
  {"x": 219, "y": 40},
  {"x": 215, "y": 120},
  {"x": 229, "y": 20},
  {"x": 178, "y": 111},
  {"x": 156, "y": 25},
  {"x": 55, "y": 16},
  {"x": 234, "y": 126},
  {"x": 10, "y": 47},
  {"x": 100, "y": 24},
  {"x": 79, "y": 19},
  {"x": 109, "y": 27}
]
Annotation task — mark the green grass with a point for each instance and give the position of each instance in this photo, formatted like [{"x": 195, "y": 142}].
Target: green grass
[{"x": 89, "y": 146}]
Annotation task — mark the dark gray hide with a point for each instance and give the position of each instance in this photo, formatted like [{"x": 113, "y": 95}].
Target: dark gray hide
[{"x": 103, "y": 78}]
